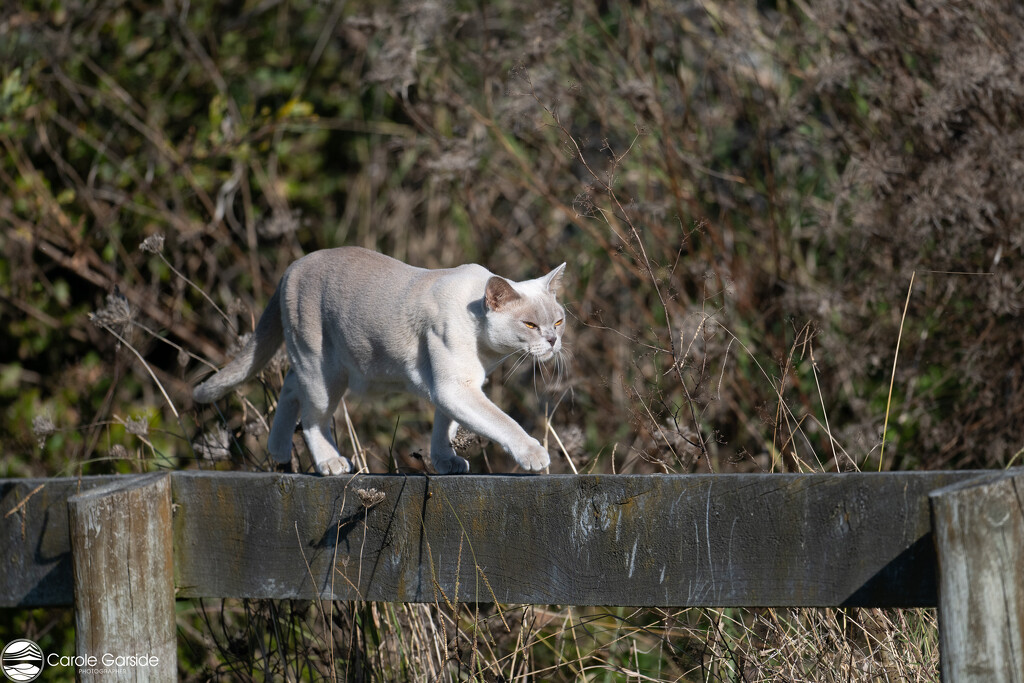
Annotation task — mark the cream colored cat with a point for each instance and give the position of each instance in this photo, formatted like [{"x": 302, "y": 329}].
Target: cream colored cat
[{"x": 353, "y": 319}]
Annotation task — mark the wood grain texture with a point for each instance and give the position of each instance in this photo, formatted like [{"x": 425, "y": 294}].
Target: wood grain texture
[
  {"x": 122, "y": 558},
  {"x": 36, "y": 566},
  {"x": 673, "y": 540},
  {"x": 979, "y": 538}
]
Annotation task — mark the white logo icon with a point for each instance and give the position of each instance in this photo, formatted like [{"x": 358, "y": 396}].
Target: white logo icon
[{"x": 21, "y": 660}]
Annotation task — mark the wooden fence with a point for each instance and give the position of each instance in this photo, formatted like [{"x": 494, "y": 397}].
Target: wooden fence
[{"x": 120, "y": 548}]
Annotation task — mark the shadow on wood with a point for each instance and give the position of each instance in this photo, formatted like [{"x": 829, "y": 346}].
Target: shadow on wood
[{"x": 34, "y": 526}]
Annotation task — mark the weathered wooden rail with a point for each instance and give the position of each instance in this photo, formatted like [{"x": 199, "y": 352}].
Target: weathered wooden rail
[{"x": 120, "y": 548}]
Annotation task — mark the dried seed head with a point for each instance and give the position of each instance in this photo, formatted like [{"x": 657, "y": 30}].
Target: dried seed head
[
  {"x": 463, "y": 440},
  {"x": 154, "y": 244},
  {"x": 583, "y": 204},
  {"x": 238, "y": 343},
  {"x": 138, "y": 426},
  {"x": 370, "y": 497},
  {"x": 279, "y": 223},
  {"x": 116, "y": 315},
  {"x": 237, "y": 307},
  {"x": 43, "y": 427},
  {"x": 394, "y": 66},
  {"x": 214, "y": 445},
  {"x": 458, "y": 160},
  {"x": 573, "y": 439},
  {"x": 255, "y": 428}
]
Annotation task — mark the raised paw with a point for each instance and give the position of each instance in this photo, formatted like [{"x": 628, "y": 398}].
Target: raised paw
[
  {"x": 534, "y": 458},
  {"x": 334, "y": 465},
  {"x": 451, "y": 465}
]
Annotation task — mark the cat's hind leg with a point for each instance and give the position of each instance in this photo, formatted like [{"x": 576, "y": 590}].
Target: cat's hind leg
[
  {"x": 320, "y": 386},
  {"x": 442, "y": 453},
  {"x": 285, "y": 418},
  {"x": 318, "y": 409}
]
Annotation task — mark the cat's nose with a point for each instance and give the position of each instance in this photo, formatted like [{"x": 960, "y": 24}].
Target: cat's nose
[{"x": 551, "y": 338}]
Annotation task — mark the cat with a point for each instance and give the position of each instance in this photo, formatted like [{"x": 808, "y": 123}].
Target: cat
[{"x": 355, "y": 320}]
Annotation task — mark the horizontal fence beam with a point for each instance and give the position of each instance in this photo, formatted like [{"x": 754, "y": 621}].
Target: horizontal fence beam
[
  {"x": 640, "y": 540},
  {"x": 857, "y": 539},
  {"x": 35, "y": 570}
]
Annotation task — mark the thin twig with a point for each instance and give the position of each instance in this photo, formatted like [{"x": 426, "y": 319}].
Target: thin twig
[
  {"x": 892, "y": 380},
  {"x": 824, "y": 410},
  {"x": 199, "y": 289},
  {"x": 145, "y": 365},
  {"x": 560, "y": 445}
]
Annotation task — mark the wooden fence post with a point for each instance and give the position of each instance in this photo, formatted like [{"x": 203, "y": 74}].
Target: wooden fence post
[
  {"x": 978, "y": 528},
  {"x": 123, "y": 564}
]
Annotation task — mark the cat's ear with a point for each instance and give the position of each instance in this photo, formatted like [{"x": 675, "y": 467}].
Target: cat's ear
[
  {"x": 553, "y": 280},
  {"x": 499, "y": 293}
]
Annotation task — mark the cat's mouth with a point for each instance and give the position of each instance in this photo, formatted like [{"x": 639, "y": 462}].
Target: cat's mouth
[{"x": 545, "y": 355}]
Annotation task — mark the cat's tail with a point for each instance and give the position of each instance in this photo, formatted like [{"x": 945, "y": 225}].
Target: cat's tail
[{"x": 261, "y": 347}]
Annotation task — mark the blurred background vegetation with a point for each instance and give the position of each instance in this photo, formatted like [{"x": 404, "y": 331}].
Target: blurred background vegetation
[{"x": 744, "y": 193}]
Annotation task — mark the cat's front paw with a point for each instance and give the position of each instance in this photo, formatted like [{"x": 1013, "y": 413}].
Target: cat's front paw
[
  {"x": 451, "y": 465},
  {"x": 334, "y": 465},
  {"x": 533, "y": 458}
]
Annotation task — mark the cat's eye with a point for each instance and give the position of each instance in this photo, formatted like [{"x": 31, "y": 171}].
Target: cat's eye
[
  {"x": 532, "y": 326},
  {"x": 560, "y": 322}
]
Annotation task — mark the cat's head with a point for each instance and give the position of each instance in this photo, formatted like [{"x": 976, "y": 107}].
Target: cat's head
[{"x": 525, "y": 316}]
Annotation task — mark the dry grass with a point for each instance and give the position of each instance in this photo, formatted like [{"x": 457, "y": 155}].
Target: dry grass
[{"x": 269, "y": 640}]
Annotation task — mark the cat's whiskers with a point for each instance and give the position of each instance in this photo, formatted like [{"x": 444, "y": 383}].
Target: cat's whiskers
[
  {"x": 554, "y": 368},
  {"x": 518, "y": 362},
  {"x": 559, "y": 370},
  {"x": 506, "y": 357},
  {"x": 548, "y": 377},
  {"x": 562, "y": 361}
]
